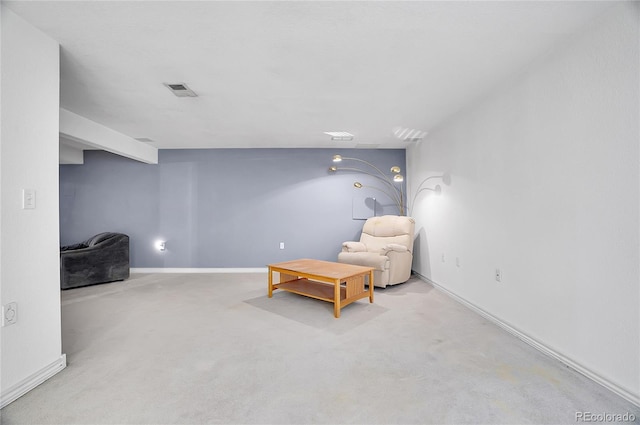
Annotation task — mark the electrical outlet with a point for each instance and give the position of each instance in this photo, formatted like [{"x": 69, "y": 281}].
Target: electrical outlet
[
  {"x": 498, "y": 275},
  {"x": 9, "y": 314},
  {"x": 281, "y": 245},
  {"x": 443, "y": 257},
  {"x": 457, "y": 261},
  {"x": 28, "y": 199}
]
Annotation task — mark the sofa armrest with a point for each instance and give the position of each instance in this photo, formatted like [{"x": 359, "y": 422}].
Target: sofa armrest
[{"x": 351, "y": 246}]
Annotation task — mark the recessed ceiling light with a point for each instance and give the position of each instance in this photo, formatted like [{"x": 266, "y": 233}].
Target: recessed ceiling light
[
  {"x": 339, "y": 135},
  {"x": 180, "y": 89}
]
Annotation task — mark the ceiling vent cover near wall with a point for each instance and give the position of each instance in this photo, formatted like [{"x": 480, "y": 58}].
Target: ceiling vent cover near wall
[
  {"x": 180, "y": 89},
  {"x": 409, "y": 134}
]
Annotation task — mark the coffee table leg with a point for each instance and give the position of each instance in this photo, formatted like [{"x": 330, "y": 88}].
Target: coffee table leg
[
  {"x": 270, "y": 283},
  {"x": 336, "y": 299},
  {"x": 371, "y": 286}
]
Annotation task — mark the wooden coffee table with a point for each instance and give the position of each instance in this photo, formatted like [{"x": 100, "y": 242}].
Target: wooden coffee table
[{"x": 337, "y": 283}]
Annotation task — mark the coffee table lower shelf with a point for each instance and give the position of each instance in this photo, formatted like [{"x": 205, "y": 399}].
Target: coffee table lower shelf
[{"x": 310, "y": 288}]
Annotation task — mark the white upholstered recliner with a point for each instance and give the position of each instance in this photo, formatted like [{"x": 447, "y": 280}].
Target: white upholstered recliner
[{"x": 386, "y": 244}]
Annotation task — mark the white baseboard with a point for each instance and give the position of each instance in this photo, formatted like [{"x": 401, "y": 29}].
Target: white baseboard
[
  {"x": 622, "y": 392},
  {"x": 199, "y": 270},
  {"x": 29, "y": 383}
]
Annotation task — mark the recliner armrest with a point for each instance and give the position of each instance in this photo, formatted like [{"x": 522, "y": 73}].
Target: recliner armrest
[
  {"x": 352, "y": 246},
  {"x": 393, "y": 247}
]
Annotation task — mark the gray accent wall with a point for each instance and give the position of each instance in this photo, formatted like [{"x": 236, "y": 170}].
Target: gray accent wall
[{"x": 222, "y": 208}]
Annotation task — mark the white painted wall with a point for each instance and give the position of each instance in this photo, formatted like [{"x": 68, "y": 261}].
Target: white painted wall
[
  {"x": 29, "y": 259},
  {"x": 545, "y": 186}
]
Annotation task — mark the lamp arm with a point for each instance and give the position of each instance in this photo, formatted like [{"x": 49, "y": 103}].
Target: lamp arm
[
  {"x": 424, "y": 181},
  {"x": 395, "y": 199},
  {"x": 369, "y": 164},
  {"x": 383, "y": 179},
  {"x": 396, "y": 194},
  {"x": 413, "y": 200},
  {"x": 420, "y": 188}
]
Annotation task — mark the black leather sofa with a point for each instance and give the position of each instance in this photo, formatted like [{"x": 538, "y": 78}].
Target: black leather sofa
[{"x": 100, "y": 259}]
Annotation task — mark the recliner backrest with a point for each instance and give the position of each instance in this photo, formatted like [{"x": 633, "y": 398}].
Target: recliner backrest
[{"x": 380, "y": 231}]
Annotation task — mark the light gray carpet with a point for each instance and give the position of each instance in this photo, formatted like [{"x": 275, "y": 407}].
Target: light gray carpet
[
  {"x": 318, "y": 314},
  {"x": 212, "y": 348}
]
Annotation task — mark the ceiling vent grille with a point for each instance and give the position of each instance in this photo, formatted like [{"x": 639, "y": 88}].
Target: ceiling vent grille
[
  {"x": 180, "y": 89},
  {"x": 409, "y": 134},
  {"x": 340, "y": 135}
]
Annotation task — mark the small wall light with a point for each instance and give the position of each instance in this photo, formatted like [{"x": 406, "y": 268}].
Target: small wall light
[{"x": 161, "y": 245}]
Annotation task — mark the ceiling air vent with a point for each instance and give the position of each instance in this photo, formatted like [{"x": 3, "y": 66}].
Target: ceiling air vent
[
  {"x": 180, "y": 89},
  {"x": 340, "y": 135},
  {"x": 409, "y": 134}
]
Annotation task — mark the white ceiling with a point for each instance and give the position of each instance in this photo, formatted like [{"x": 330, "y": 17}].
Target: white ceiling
[{"x": 279, "y": 74}]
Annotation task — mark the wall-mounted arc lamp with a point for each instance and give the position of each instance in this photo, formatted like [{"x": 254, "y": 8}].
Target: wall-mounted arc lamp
[{"x": 446, "y": 179}]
